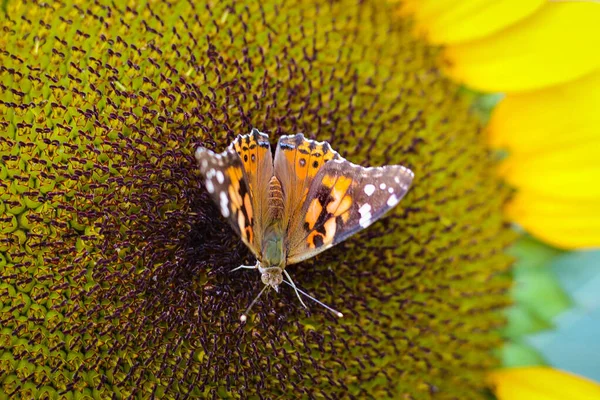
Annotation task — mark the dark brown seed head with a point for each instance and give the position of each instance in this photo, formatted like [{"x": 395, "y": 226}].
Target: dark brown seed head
[{"x": 114, "y": 263}]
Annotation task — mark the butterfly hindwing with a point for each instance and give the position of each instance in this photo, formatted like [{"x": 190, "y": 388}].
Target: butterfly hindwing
[{"x": 343, "y": 199}]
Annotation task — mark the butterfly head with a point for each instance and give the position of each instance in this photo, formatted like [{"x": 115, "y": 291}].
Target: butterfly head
[{"x": 271, "y": 276}]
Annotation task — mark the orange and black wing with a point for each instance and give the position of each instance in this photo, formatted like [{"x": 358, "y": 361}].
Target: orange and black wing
[
  {"x": 343, "y": 199},
  {"x": 235, "y": 179},
  {"x": 297, "y": 162}
]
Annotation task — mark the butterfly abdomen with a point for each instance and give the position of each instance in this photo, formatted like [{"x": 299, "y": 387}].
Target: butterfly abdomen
[{"x": 276, "y": 204}]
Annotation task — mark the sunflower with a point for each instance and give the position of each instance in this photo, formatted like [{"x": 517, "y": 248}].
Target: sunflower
[
  {"x": 114, "y": 261},
  {"x": 537, "y": 54}
]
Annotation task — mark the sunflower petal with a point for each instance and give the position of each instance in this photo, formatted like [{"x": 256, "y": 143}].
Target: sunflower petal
[
  {"x": 547, "y": 119},
  {"x": 565, "y": 223},
  {"x": 566, "y": 173},
  {"x": 541, "y": 383},
  {"x": 451, "y": 22},
  {"x": 545, "y": 49}
]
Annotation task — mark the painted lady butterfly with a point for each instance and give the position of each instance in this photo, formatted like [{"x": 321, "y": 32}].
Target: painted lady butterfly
[{"x": 291, "y": 207}]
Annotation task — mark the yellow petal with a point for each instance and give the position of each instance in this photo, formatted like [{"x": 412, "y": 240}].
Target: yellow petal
[
  {"x": 568, "y": 172},
  {"x": 562, "y": 222},
  {"x": 451, "y": 22},
  {"x": 541, "y": 383},
  {"x": 559, "y": 43},
  {"x": 548, "y": 119}
]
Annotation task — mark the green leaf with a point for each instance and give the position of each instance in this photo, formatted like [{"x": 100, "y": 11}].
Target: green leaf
[
  {"x": 537, "y": 293},
  {"x": 538, "y": 297},
  {"x": 516, "y": 354},
  {"x": 532, "y": 253},
  {"x": 521, "y": 321},
  {"x": 538, "y": 290}
]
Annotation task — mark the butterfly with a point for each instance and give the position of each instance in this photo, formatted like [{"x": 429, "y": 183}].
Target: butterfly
[{"x": 293, "y": 206}]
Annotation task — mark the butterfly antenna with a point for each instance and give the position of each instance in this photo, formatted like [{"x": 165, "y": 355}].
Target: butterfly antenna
[
  {"x": 244, "y": 316},
  {"x": 337, "y": 313},
  {"x": 295, "y": 288}
]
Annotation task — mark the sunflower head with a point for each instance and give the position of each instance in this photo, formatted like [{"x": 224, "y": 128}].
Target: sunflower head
[{"x": 115, "y": 263}]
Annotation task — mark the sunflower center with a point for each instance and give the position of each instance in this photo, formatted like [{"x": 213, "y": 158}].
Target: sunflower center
[{"x": 114, "y": 262}]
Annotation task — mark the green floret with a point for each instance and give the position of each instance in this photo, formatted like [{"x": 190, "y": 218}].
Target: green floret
[{"x": 114, "y": 263}]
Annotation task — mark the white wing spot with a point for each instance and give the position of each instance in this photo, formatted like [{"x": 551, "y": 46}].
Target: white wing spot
[
  {"x": 397, "y": 179},
  {"x": 382, "y": 186},
  {"x": 392, "y": 201},
  {"x": 209, "y": 186},
  {"x": 225, "y": 204},
  {"x": 198, "y": 154},
  {"x": 391, "y": 189},
  {"x": 220, "y": 176},
  {"x": 365, "y": 215},
  {"x": 369, "y": 189}
]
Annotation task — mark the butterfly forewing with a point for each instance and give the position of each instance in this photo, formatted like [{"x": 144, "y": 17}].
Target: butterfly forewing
[
  {"x": 343, "y": 199},
  {"x": 226, "y": 181},
  {"x": 254, "y": 152},
  {"x": 297, "y": 162}
]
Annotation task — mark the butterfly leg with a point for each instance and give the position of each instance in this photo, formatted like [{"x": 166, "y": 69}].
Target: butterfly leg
[
  {"x": 294, "y": 286},
  {"x": 257, "y": 265}
]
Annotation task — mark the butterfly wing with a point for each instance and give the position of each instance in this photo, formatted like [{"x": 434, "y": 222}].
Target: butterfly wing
[
  {"x": 254, "y": 151},
  {"x": 237, "y": 180},
  {"x": 297, "y": 162},
  {"x": 343, "y": 199}
]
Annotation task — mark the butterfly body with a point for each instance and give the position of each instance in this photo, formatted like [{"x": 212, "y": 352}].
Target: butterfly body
[
  {"x": 272, "y": 260},
  {"x": 302, "y": 201},
  {"x": 273, "y": 252},
  {"x": 276, "y": 201}
]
